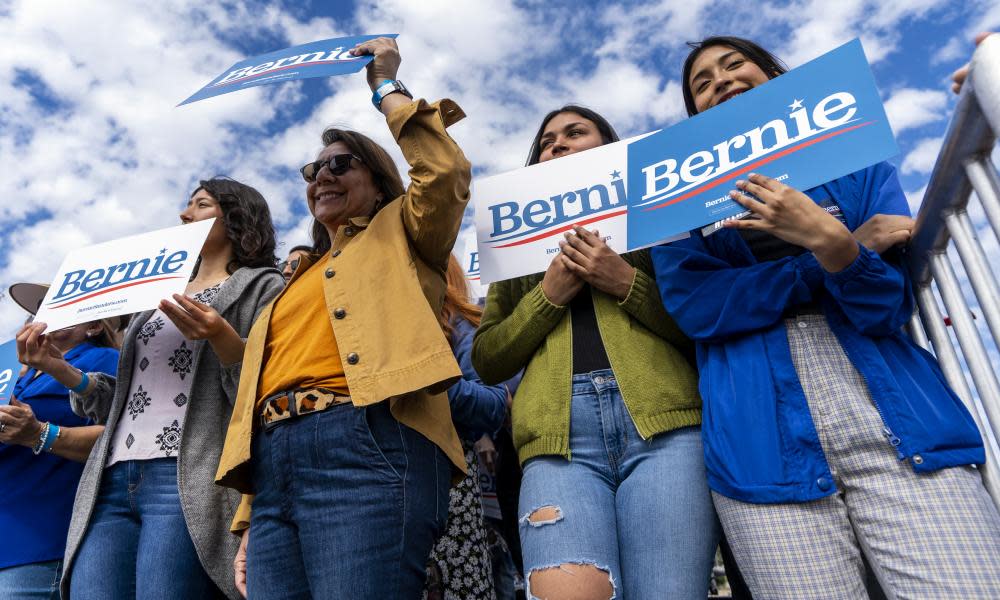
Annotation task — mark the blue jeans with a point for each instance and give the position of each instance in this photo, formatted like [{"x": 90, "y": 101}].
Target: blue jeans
[
  {"x": 349, "y": 503},
  {"x": 638, "y": 509},
  {"x": 35, "y": 581},
  {"x": 137, "y": 544}
]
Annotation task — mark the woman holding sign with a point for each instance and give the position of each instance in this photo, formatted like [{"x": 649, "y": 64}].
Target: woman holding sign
[
  {"x": 605, "y": 419},
  {"x": 42, "y": 448},
  {"x": 149, "y": 520},
  {"x": 342, "y": 428},
  {"x": 828, "y": 433}
]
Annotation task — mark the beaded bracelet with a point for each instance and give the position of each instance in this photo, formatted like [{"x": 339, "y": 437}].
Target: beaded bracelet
[
  {"x": 43, "y": 436},
  {"x": 51, "y": 437}
]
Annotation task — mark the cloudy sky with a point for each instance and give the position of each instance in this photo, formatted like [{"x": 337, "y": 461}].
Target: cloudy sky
[{"x": 92, "y": 146}]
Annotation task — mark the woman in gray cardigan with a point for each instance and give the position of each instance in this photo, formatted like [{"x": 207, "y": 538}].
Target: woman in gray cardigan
[{"x": 149, "y": 521}]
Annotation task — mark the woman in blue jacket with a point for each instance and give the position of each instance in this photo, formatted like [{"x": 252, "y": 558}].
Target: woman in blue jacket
[
  {"x": 43, "y": 446},
  {"x": 460, "y": 567},
  {"x": 828, "y": 433}
]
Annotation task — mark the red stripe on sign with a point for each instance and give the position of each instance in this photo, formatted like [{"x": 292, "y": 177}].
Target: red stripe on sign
[
  {"x": 111, "y": 289},
  {"x": 753, "y": 166},
  {"x": 565, "y": 228}
]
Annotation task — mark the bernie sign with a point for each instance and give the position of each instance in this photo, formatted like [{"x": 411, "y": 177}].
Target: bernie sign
[
  {"x": 809, "y": 126},
  {"x": 324, "y": 58},
  {"x": 122, "y": 276},
  {"x": 9, "y": 369}
]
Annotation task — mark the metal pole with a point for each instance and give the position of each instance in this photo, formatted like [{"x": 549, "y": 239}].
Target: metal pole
[
  {"x": 933, "y": 322},
  {"x": 987, "y": 407},
  {"x": 983, "y": 177},
  {"x": 917, "y": 333},
  {"x": 980, "y": 275}
]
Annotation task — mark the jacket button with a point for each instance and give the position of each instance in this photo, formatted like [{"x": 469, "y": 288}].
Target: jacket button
[
  {"x": 339, "y": 313},
  {"x": 336, "y": 253},
  {"x": 353, "y": 358},
  {"x": 349, "y": 231},
  {"x": 917, "y": 459},
  {"x": 823, "y": 483},
  {"x": 330, "y": 273}
]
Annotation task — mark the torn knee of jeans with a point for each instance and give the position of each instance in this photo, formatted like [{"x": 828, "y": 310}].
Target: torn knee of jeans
[
  {"x": 546, "y": 515},
  {"x": 582, "y": 581}
]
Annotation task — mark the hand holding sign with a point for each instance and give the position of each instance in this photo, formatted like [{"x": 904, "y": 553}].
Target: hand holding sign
[
  {"x": 592, "y": 260},
  {"x": 787, "y": 213},
  {"x": 36, "y": 350},
  {"x": 386, "y": 59},
  {"x": 199, "y": 321},
  {"x": 19, "y": 424},
  {"x": 559, "y": 284}
]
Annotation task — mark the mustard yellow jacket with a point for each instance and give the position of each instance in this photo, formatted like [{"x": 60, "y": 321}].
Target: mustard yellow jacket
[{"x": 385, "y": 280}]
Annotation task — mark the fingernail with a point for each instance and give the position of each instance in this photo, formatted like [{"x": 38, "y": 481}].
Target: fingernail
[
  {"x": 740, "y": 182},
  {"x": 751, "y": 175}
]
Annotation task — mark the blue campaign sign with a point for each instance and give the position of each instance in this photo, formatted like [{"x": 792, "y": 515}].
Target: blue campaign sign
[
  {"x": 9, "y": 369},
  {"x": 324, "y": 58},
  {"x": 809, "y": 126}
]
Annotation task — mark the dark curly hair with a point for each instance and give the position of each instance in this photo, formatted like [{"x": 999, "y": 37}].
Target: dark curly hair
[
  {"x": 383, "y": 170},
  {"x": 769, "y": 63},
  {"x": 248, "y": 222}
]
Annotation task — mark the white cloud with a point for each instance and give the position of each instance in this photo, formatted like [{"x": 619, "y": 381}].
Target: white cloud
[
  {"x": 921, "y": 159},
  {"x": 914, "y": 199},
  {"x": 910, "y": 107},
  {"x": 117, "y": 157}
]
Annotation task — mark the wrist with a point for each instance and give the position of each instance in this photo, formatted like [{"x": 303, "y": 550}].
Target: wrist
[
  {"x": 836, "y": 248},
  {"x": 625, "y": 284}
]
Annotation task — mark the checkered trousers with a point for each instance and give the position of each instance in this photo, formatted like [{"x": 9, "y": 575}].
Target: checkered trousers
[{"x": 927, "y": 535}]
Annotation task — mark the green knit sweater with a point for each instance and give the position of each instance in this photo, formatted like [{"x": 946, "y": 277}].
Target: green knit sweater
[{"x": 647, "y": 351}]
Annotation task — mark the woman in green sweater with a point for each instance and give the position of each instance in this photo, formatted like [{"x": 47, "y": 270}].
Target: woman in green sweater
[{"x": 614, "y": 496}]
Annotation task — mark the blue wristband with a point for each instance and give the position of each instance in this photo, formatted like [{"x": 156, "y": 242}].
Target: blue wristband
[
  {"x": 50, "y": 439},
  {"x": 82, "y": 386}
]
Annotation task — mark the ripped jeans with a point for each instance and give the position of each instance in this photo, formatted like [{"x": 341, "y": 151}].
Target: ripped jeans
[{"x": 638, "y": 510}]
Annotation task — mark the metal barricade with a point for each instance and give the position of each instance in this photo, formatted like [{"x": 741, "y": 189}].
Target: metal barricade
[{"x": 943, "y": 223}]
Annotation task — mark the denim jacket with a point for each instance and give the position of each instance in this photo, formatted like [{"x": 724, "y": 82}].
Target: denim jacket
[{"x": 760, "y": 441}]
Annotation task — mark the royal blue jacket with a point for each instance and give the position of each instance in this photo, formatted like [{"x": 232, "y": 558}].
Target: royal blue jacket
[
  {"x": 759, "y": 438},
  {"x": 476, "y": 408},
  {"x": 36, "y": 492}
]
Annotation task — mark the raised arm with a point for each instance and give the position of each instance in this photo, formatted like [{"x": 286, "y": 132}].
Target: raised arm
[{"x": 439, "y": 172}]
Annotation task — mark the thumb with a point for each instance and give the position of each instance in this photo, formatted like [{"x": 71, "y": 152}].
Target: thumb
[{"x": 15, "y": 402}]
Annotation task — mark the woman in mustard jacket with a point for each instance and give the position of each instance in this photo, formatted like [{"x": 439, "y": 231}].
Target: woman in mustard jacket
[{"x": 342, "y": 429}]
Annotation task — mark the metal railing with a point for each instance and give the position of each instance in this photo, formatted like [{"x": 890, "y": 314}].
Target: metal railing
[{"x": 943, "y": 223}]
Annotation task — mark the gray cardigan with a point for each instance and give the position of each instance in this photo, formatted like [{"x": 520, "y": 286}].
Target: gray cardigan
[{"x": 208, "y": 508}]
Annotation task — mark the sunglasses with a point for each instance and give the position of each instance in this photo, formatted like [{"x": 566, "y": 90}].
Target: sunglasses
[
  {"x": 294, "y": 264},
  {"x": 338, "y": 165}
]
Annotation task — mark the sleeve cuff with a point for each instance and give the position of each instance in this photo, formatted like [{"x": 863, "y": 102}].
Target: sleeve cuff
[
  {"x": 542, "y": 305},
  {"x": 449, "y": 111},
  {"x": 862, "y": 263},
  {"x": 641, "y": 284}
]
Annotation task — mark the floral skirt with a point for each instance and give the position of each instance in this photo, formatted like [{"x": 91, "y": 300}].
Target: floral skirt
[{"x": 459, "y": 567}]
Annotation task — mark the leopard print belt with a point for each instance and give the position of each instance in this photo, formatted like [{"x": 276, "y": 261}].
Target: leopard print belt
[{"x": 294, "y": 403}]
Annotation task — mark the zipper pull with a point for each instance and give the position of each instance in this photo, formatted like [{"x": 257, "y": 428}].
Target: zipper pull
[{"x": 893, "y": 441}]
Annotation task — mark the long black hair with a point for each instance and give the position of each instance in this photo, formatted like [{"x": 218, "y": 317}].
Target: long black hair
[
  {"x": 248, "y": 222},
  {"x": 385, "y": 175},
  {"x": 608, "y": 133},
  {"x": 769, "y": 63}
]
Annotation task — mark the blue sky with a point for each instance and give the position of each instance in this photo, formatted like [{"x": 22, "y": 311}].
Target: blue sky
[{"x": 93, "y": 148}]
